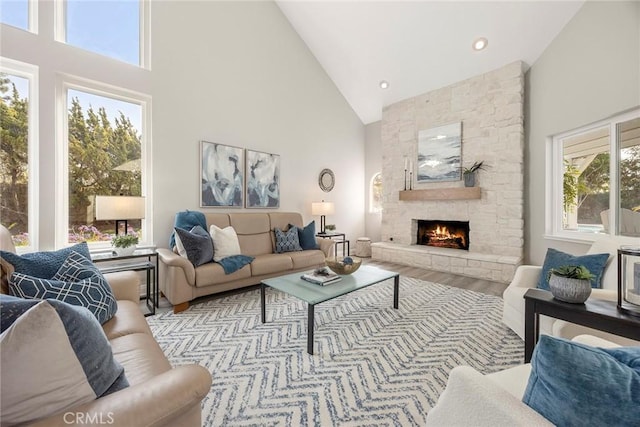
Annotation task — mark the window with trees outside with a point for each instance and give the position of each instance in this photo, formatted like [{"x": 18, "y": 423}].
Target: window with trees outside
[
  {"x": 596, "y": 185},
  {"x": 16, "y": 154},
  {"x": 105, "y": 150},
  {"x": 375, "y": 194}
]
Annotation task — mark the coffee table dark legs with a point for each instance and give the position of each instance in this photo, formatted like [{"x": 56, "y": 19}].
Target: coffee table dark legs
[
  {"x": 396, "y": 291},
  {"x": 310, "y": 318},
  {"x": 262, "y": 302}
]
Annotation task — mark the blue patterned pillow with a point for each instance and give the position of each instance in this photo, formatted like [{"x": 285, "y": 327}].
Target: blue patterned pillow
[
  {"x": 43, "y": 264},
  {"x": 572, "y": 384},
  {"x": 35, "y": 333},
  {"x": 287, "y": 241},
  {"x": 77, "y": 282},
  {"x": 307, "y": 236},
  {"x": 594, "y": 263}
]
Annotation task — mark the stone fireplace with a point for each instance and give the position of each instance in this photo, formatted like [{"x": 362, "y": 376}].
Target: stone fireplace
[
  {"x": 490, "y": 107},
  {"x": 442, "y": 234}
]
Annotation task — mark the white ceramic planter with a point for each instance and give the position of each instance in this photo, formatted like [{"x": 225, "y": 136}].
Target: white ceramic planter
[{"x": 125, "y": 251}]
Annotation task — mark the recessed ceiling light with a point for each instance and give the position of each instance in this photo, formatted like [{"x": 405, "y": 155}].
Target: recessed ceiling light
[
  {"x": 480, "y": 43},
  {"x": 384, "y": 84}
]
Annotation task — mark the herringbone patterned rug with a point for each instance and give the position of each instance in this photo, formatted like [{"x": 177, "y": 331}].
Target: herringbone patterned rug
[{"x": 373, "y": 365}]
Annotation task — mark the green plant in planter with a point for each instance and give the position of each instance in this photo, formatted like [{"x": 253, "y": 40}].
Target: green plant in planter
[
  {"x": 476, "y": 166},
  {"x": 124, "y": 241},
  {"x": 579, "y": 272},
  {"x": 330, "y": 227}
]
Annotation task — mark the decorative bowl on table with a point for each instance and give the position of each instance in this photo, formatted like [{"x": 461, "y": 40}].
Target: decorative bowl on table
[{"x": 346, "y": 265}]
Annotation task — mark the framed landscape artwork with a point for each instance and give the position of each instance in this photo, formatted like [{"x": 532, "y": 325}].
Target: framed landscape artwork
[
  {"x": 221, "y": 175},
  {"x": 439, "y": 153},
  {"x": 263, "y": 180}
]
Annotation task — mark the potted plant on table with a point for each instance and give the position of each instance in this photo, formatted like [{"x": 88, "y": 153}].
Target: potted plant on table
[
  {"x": 570, "y": 283},
  {"x": 469, "y": 174},
  {"x": 125, "y": 244}
]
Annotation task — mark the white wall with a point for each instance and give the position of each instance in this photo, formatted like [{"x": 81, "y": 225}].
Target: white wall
[
  {"x": 373, "y": 165},
  {"x": 236, "y": 73},
  {"x": 589, "y": 72}
]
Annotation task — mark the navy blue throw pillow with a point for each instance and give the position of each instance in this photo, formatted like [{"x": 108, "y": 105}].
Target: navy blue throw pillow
[
  {"x": 43, "y": 264},
  {"x": 595, "y": 263},
  {"x": 195, "y": 245},
  {"x": 186, "y": 220},
  {"x": 307, "y": 236}
]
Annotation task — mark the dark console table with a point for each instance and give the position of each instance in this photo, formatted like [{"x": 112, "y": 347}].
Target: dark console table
[{"x": 594, "y": 313}]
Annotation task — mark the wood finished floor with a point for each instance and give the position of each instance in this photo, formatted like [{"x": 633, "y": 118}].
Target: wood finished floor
[{"x": 478, "y": 285}]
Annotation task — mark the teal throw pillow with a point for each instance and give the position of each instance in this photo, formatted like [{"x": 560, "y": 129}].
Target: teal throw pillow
[
  {"x": 195, "y": 245},
  {"x": 43, "y": 264},
  {"x": 287, "y": 241},
  {"x": 307, "y": 236},
  {"x": 63, "y": 352},
  {"x": 77, "y": 282},
  {"x": 595, "y": 263},
  {"x": 572, "y": 384}
]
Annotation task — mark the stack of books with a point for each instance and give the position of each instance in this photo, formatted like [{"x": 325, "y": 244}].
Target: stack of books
[{"x": 321, "y": 276}]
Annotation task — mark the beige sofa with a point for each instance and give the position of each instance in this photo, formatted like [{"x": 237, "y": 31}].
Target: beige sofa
[
  {"x": 158, "y": 395},
  {"x": 181, "y": 282}
]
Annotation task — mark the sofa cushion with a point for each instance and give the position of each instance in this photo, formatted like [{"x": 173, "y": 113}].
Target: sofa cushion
[
  {"x": 225, "y": 242},
  {"x": 213, "y": 274},
  {"x": 78, "y": 282},
  {"x": 140, "y": 355},
  {"x": 287, "y": 241},
  {"x": 43, "y": 264},
  {"x": 307, "y": 236},
  {"x": 128, "y": 320},
  {"x": 186, "y": 220},
  {"x": 575, "y": 384},
  {"x": 307, "y": 259},
  {"x": 195, "y": 245},
  {"x": 65, "y": 353},
  {"x": 595, "y": 263},
  {"x": 271, "y": 263}
]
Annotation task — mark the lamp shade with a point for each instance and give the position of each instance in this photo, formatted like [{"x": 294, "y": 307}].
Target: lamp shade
[
  {"x": 322, "y": 208},
  {"x": 119, "y": 207}
]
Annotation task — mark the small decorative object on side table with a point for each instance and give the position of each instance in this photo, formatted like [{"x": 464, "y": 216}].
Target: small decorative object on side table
[
  {"x": 629, "y": 280},
  {"x": 124, "y": 244},
  {"x": 570, "y": 283}
]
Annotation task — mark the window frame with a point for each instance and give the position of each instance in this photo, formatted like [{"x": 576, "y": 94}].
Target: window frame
[
  {"x": 31, "y": 73},
  {"x": 144, "y": 42},
  {"x": 371, "y": 194},
  {"x": 553, "y": 187},
  {"x": 32, "y": 18},
  {"x": 63, "y": 84}
]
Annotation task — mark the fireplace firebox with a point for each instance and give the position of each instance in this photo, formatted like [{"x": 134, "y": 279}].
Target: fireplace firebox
[{"x": 443, "y": 234}]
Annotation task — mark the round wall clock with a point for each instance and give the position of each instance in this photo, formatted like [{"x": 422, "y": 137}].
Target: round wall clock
[{"x": 326, "y": 180}]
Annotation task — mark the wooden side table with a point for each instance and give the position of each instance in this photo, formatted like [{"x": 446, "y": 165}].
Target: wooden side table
[{"x": 594, "y": 313}]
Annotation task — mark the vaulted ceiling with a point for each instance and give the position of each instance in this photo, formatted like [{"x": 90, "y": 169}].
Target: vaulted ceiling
[{"x": 418, "y": 46}]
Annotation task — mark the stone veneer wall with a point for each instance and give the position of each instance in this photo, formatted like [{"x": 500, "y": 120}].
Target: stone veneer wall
[{"x": 490, "y": 107}]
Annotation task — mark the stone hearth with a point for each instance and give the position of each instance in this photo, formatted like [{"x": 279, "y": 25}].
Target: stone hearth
[{"x": 490, "y": 107}]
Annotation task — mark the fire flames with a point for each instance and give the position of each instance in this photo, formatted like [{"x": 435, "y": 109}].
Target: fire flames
[{"x": 442, "y": 237}]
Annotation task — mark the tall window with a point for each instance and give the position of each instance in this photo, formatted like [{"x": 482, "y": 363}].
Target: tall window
[
  {"x": 596, "y": 168},
  {"x": 105, "y": 152},
  {"x": 17, "y": 155},
  {"x": 110, "y": 28},
  {"x": 15, "y": 13},
  {"x": 375, "y": 194}
]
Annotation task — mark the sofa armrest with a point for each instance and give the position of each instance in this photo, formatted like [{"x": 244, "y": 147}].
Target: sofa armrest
[
  {"x": 125, "y": 285},
  {"x": 471, "y": 399},
  {"x": 155, "y": 402},
  {"x": 172, "y": 259},
  {"x": 526, "y": 276},
  {"x": 327, "y": 246}
]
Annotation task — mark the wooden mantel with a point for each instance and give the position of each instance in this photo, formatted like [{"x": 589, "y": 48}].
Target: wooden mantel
[{"x": 457, "y": 193}]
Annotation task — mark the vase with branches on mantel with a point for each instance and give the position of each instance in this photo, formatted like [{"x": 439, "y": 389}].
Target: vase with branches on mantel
[{"x": 469, "y": 174}]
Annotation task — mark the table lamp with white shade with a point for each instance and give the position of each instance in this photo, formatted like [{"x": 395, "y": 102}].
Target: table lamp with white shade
[
  {"x": 120, "y": 208},
  {"x": 322, "y": 209}
]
